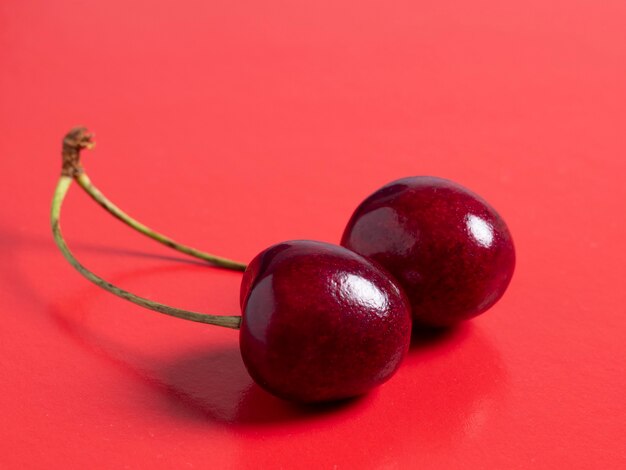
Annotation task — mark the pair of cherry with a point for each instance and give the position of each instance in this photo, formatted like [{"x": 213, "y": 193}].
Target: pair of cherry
[{"x": 323, "y": 322}]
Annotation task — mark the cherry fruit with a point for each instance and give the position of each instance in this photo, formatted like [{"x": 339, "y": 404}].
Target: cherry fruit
[
  {"x": 447, "y": 247},
  {"x": 320, "y": 322}
]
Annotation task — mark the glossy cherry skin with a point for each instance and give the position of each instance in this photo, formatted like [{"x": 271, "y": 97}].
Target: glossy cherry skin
[
  {"x": 321, "y": 323},
  {"x": 448, "y": 248}
]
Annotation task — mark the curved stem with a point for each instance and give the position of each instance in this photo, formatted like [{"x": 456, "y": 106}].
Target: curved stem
[
  {"x": 55, "y": 219},
  {"x": 83, "y": 180}
]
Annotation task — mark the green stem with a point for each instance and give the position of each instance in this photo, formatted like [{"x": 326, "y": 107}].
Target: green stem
[
  {"x": 55, "y": 218},
  {"x": 83, "y": 180}
]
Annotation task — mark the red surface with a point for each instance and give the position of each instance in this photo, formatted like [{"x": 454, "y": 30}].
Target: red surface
[{"x": 232, "y": 126}]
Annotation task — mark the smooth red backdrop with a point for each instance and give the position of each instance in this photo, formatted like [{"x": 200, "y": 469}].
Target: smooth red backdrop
[{"x": 235, "y": 125}]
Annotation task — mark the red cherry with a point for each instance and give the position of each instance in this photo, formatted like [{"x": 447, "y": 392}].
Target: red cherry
[
  {"x": 448, "y": 248},
  {"x": 320, "y": 322}
]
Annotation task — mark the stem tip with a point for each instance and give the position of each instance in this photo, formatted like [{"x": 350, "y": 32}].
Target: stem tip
[{"x": 74, "y": 141}]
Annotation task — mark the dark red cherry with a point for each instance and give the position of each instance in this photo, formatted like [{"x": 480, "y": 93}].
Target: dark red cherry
[
  {"x": 448, "y": 248},
  {"x": 320, "y": 322}
]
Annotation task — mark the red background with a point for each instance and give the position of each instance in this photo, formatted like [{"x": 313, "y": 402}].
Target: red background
[{"x": 235, "y": 125}]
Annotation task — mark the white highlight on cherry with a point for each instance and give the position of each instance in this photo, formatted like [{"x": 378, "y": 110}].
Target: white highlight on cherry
[
  {"x": 481, "y": 230},
  {"x": 363, "y": 290}
]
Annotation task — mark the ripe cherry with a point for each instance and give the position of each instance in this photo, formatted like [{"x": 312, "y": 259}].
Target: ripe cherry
[
  {"x": 320, "y": 322},
  {"x": 448, "y": 248}
]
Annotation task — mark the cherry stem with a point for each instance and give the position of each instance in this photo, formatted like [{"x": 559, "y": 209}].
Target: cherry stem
[
  {"x": 79, "y": 139},
  {"x": 72, "y": 167},
  {"x": 83, "y": 180}
]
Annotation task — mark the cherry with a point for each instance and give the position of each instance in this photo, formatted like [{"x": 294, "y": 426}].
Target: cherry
[
  {"x": 320, "y": 322},
  {"x": 448, "y": 248}
]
